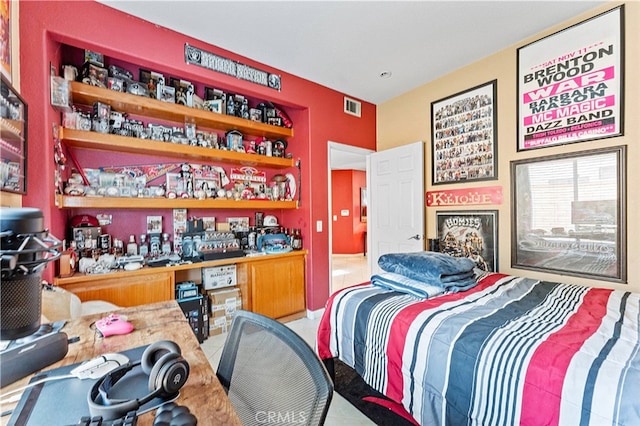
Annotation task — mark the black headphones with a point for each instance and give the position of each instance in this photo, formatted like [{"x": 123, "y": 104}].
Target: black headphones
[{"x": 167, "y": 369}]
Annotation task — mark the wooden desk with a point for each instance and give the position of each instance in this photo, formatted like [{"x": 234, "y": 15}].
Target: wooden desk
[{"x": 202, "y": 393}]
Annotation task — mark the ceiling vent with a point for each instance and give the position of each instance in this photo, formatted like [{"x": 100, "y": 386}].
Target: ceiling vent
[{"x": 352, "y": 107}]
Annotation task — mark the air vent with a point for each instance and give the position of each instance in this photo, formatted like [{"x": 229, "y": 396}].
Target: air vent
[{"x": 352, "y": 107}]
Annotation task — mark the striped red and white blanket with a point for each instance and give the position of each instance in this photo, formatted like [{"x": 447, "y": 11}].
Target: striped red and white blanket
[{"x": 511, "y": 350}]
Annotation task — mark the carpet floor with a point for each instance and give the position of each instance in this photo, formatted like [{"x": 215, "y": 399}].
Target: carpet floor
[{"x": 380, "y": 409}]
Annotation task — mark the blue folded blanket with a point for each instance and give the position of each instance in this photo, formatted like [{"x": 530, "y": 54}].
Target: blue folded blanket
[
  {"x": 402, "y": 284},
  {"x": 439, "y": 269}
]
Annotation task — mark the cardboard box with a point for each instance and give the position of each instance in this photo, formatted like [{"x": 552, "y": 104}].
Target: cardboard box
[
  {"x": 219, "y": 277},
  {"x": 219, "y": 325},
  {"x": 224, "y": 303}
]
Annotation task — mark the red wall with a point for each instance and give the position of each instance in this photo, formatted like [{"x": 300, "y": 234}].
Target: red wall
[
  {"x": 348, "y": 231},
  {"x": 317, "y": 112}
]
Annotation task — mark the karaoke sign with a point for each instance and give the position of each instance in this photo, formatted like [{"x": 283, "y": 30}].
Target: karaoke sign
[{"x": 465, "y": 197}]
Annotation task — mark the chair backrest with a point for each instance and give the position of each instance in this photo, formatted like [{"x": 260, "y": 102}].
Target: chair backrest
[{"x": 272, "y": 376}]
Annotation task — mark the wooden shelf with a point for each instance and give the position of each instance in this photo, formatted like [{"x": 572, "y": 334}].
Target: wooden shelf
[
  {"x": 70, "y": 202},
  {"x": 108, "y": 142},
  {"x": 11, "y": 130},
  {"x": 86, "y": 94}
]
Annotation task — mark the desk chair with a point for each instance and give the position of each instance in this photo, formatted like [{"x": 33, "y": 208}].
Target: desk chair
[{"x": 272, "y": 376}]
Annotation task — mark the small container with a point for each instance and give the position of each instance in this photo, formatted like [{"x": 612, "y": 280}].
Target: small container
[
  {"x": 132, "y": 247},
  {"x": 296, "y": 240},
  {"x": 144, "y": 246},
  {"x": 166, "y": 244},
  {"x": 118, "y": 247},
  {"x": 259, "y": 219}
]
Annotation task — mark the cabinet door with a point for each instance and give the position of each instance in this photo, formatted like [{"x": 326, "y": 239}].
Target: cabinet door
[
  {"x": 277, "y": 286},
  {"x": 131, "y": 290}
]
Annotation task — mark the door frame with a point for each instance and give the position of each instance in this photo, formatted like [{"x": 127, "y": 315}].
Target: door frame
[{"x": 335, "y": 148}]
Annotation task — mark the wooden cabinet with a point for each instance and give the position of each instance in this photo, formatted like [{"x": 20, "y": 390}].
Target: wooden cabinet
[
  {"x": 277, "y": 286},
  {"x": 273, "y": 285},
  {"x": 123, "y": 288}
]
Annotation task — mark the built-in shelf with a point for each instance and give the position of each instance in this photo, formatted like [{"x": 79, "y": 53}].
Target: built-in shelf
[
  {"x": 85, "y": 94},
  {"x": 70, "y": 202},
  {"x": 108, "y": 142}
]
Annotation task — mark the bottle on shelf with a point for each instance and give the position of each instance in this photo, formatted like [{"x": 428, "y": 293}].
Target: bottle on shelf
[
  {"x": 144, "y": 246},
  {"x": 166, "y": 244},
  {"x": 118, "y": 247},
  {"x": 132, "y": 246},
  {"x": 296, "y": 239}
]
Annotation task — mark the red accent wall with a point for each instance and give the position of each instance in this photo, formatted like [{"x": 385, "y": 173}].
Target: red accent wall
[
  {"x": 316, "y": 111},
  {"x": 348, "y": 231}
]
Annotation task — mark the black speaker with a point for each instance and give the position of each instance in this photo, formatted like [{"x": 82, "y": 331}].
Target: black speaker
[
  {"x": 20, "y": 361},
  {"x": 25, "y": 248}
]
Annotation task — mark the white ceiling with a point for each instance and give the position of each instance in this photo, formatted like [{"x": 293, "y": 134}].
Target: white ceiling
[{"x": 345, "y": 45}]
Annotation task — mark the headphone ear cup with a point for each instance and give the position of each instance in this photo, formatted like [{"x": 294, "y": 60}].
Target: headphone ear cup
[
  {"x": 155, "y": 351},
  {"x": 168, "y": 374}
]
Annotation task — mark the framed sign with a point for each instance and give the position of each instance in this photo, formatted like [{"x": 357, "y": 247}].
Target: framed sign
[
  {"x": 569, "y": 214},
  {"x": 471, "y": 234},
  {"x": 570, "y": 84},
  {"x": 464, "y": 136}
]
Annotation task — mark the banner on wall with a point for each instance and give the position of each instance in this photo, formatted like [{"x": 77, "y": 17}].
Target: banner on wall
[
  {"x": 465, "y": 197},
  {"x": 213, "y": 62},
  {"x": 570, "y": 84}
]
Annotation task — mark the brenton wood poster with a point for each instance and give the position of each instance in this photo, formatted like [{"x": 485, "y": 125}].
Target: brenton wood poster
[{"x": 570, "y": 84}]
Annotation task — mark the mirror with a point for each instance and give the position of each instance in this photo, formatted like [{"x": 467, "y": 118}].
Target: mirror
[{"x": 363, "y": 204}]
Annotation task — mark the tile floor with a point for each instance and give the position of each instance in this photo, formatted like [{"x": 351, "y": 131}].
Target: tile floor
[{"x": 347, "y": 270}]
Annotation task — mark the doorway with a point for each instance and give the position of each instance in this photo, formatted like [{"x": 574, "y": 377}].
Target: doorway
[{"x": 348, "y": 269}]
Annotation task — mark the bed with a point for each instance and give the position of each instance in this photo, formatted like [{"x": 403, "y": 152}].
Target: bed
[{"x": 509, "y": 350}]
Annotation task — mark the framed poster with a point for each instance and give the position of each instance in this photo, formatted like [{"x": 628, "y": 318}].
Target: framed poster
[
  {"x": 464, "y": 136},
  {"x": 471, "y": 234},
  {"x": 568, "y": 214},
  {"x": 5, "y": 38},
  {"x": 570, "y": 84}
]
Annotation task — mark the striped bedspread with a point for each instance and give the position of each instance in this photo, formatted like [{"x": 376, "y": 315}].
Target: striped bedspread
[{"x": 509, "y": 351}]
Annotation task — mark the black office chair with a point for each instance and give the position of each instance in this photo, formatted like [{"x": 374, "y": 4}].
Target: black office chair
[{"x": 272, "y": 376}]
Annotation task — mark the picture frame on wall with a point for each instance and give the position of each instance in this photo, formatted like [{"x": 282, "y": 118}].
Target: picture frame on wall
[
  {"x": 7, "y": 31},
  {"x": 464, "y": 136},
  {"x": 568, "y": 214},
  {"x": 471, "y": 234},
  {"x": 570, "y": 84}
]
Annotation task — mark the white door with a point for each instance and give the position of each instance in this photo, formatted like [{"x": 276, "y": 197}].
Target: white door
[{"x": 396, "y": 201}]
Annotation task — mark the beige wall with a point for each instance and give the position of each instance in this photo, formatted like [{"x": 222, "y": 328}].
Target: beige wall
[{"x": 406, "y": 119}]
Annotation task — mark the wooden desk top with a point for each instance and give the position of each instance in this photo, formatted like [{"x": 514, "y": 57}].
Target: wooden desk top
[{"x": 202, "y": 394}]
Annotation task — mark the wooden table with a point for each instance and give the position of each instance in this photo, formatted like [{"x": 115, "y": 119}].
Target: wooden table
[{"x": 202, "y": 394}]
